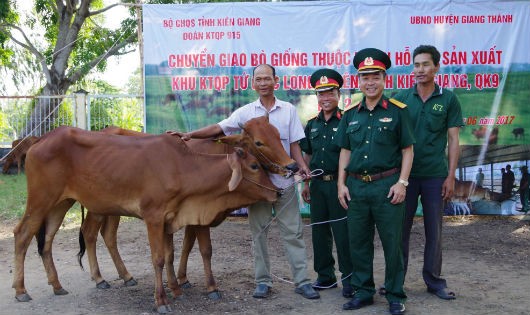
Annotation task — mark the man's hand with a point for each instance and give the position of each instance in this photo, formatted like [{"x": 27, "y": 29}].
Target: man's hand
[
  {"x": 304, "y": 172},
  {"x": 344, "y": 195},
  {"x": 448, "y": 188},
  {"x": 397, "y": 192},
  {"x": 305, "y": 193},
  {"x": 183, "y": 135}
]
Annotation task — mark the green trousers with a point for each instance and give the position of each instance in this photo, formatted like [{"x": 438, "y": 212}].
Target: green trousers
[
  {"x": 325, "y": 207},
  {"x": 368, "y": 209}
]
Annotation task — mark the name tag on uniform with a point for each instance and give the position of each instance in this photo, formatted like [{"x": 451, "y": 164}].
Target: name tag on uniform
[
  {"x": 353, "y": 123},
  {"x": 385, "y": 119},
  {"x": 314, "y": 129}
]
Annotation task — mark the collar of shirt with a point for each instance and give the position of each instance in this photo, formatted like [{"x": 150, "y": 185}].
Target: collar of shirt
[
  {"x": 336, "y": 115},
  {"x": 277, "y": 104},
  {"x": 383, "y": 103},
  {"x": 437, "y": 90}
]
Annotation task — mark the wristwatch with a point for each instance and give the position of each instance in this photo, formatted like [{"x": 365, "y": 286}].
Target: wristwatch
[{"x": 404, "y": 182}]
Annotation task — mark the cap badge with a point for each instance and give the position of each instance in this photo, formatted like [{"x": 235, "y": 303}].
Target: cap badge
[
  {"x": 369, "y": 61},
  {"x": 324, "y": 80}
]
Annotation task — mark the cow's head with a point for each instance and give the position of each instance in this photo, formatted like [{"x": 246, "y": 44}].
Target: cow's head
[
  {"x": 249, "y": 177},
  {"x": 263, "y": 140}
]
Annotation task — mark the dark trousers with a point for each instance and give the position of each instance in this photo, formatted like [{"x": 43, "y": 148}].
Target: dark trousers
[
  {"x": 325, "y": 206},
  {"x": 430, "y": 192},
  {"x": 368, "y": 209}
]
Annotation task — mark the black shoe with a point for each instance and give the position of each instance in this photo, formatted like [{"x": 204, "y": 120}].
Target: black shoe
[
  {"x": 317, "y": 285},
  {"x": 442, "y": 294},
  {"x": 347, "y": 292},
  {"x": 307, "y": 291},
  {"x": 262, "y": 291},
  {"x": 357, "y": 303},
  {"x": 396, "y": 308}
]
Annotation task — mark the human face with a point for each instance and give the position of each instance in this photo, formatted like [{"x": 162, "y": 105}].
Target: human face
[
  {"x": 372, "y": 84},
  {"x": 263, "y": 81},
  {"x": 328, "y": 100},
  {"x": 424, "y": 69}
]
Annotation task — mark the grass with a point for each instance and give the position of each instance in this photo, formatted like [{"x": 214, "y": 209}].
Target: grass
[{"x": 13, "y": 196}]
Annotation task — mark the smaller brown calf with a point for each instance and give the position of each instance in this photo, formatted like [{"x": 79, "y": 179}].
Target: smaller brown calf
[{"x": 19, "y": 148}]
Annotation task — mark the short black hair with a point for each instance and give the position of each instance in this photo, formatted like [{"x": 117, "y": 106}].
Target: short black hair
[
  {"x": 428, "y": 49},
  {"x": 264, "y": 64}
]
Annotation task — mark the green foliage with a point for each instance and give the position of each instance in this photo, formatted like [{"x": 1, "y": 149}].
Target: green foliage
[{"x": 12, "y": 196}]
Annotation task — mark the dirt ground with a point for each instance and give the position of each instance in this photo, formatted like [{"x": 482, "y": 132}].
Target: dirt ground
[{"x": 486, "y": 262}]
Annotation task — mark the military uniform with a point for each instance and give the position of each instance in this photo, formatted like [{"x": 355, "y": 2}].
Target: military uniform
[
  {"x": 375, "y": 138},
  {"x": 324, "y": 205}
]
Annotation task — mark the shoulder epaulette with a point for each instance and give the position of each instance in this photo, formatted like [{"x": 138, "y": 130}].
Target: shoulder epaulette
[
  {"x": 397, "y": 103},
  {"x": 351, "y": 106}
]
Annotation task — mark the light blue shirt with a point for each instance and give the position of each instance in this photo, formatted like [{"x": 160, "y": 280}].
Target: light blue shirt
[{"x": 282, "y": 115}]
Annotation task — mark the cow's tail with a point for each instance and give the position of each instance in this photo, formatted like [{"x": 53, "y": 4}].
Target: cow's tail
[
  {"x": 82, "y": 247},
  {"x": 41, "y": 238}
]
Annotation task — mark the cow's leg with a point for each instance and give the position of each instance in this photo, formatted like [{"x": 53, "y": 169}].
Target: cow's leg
[
  {"x": 19, "y": 164},
  {"x": 52, "y": 224},
  {"x": 187, "y": 245},
  {"x": 169, "y": 257},
  {"x": 23, "y": 232},
  {"x": 109, "y": 231},
  {"x": 205, "y": 247},
  {"x": 155, "y": 233},
  {"x": 38, "y": 205},
  {"x": 90, "y": 228}
]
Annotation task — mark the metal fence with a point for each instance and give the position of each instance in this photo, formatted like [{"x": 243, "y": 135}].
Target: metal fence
[{"x": 21, "y": 116}]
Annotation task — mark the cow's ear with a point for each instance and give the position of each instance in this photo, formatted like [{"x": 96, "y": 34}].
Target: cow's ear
[
  {"x": 231, "y": 140},
  {"x": 237, "y": 175}
]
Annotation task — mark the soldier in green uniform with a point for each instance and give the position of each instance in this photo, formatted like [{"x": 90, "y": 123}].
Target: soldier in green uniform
[
  {"x": 327, "y": 216},
  {"x": 376, "y": 141}
]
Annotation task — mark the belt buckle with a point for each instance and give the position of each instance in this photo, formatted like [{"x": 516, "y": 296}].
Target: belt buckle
[
  {"x": 366, "y": 178},
  {"x": 327, "y": 177}
]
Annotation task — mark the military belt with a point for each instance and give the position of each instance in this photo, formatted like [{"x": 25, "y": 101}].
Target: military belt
[
  {"x": 370, "y": 178},
  {"x": 326, "y": 177}
]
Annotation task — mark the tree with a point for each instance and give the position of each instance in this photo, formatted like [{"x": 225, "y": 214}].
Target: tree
[{"x": 74, "y": 44}]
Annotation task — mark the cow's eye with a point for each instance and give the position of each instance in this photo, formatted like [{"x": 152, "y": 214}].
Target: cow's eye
[
  {"x": 254, "y": 166},
  {"x": 258, "y": 143}
]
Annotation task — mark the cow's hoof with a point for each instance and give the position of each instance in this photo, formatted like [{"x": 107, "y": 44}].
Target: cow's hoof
[
  {"x": 130, "y": 283},
  {"x": 103, "y": 285},
  {"x": 60, "y": 291},
  {"x": 186, "y": 285},
  {"x": 24, "y": 297},
  {"x": 214, "y": 295},
  {"x": 164, "y": 309}
]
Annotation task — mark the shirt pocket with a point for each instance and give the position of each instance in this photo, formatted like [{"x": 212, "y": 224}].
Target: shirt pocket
[
  {"x": 385, "y": 133},
  {"x": 436, "y": 121},
  {"x": 354, "y": 133},
  {"x": 314, "y": 135}
]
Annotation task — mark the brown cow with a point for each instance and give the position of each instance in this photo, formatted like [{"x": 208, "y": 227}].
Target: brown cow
[
  {"x": 467, "y": 192},
  {"x": 257, "y": 130},
  {"x": 115, "y": 175},
  {"x": 19, "y": 148}
]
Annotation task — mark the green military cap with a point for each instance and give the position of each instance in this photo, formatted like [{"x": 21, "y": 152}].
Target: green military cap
[
  {"x": 371, "y": 60},
  {"x": 326, "y": 79}
]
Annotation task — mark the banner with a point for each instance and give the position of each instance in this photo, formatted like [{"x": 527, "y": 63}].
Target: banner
[{"x": 199, "y": 60}]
